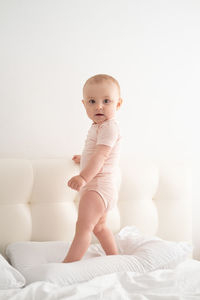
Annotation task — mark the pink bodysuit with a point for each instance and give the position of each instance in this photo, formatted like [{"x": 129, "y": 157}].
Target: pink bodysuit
[{"x": 106, "y": 181}]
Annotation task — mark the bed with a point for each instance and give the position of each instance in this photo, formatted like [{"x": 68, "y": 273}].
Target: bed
[{"x": 152, "y": 224}]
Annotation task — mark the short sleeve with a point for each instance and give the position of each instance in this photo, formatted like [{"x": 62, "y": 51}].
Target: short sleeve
[{"x": 107, "y": 134}]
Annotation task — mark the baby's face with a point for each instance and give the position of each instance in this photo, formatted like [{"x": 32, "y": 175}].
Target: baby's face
[{"x": 101, "y": 100}]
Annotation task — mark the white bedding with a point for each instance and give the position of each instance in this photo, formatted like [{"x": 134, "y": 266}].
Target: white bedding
[
  {"x": 182, "y": 283},
  {"x": 40, "y": 261}
]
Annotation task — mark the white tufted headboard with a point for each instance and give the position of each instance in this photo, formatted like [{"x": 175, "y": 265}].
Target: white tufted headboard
[{"x": 36, "y": 203}]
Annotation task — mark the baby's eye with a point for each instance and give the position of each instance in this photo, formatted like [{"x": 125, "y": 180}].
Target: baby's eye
[
  {"x": 106, "y": 100},
  {"x": 91, "y": 101}
]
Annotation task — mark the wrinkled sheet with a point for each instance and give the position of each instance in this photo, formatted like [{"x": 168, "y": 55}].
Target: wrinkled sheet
[{"x": 182, "y": 283}]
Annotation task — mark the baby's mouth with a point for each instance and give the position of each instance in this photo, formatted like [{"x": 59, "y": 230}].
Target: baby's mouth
[{"x": 99, "y": 114}]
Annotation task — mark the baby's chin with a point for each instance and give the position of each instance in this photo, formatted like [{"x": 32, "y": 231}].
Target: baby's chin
[{"x": 98, "y": 119}]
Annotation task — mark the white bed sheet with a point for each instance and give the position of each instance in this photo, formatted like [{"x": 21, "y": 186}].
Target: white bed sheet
[{"x": 181, "y": 283}]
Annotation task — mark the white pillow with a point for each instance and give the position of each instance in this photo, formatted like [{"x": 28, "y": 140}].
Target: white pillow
[
  {"x": 31, "y": 254},
  {"x": 10, "y": 278},
  {"x": 140, "y": 254}
]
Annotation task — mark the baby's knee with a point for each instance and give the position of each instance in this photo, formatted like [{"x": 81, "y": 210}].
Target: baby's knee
[{"x": 98, "y": 228}]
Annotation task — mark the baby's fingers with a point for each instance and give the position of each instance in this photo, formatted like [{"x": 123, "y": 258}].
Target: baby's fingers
[
  {"x": 72, "y": 184},
  {"x": 69, "y": 183},
  {"x": 75, "y": 157}
]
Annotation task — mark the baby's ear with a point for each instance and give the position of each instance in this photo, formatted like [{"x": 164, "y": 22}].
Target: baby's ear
[{"x": 119, "y": 103}]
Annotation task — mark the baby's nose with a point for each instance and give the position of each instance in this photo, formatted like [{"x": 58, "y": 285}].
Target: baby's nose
[{"x": 99, "y": 105}]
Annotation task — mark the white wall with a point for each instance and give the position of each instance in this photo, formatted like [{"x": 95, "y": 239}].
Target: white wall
[{"x": 49, "y": 48}]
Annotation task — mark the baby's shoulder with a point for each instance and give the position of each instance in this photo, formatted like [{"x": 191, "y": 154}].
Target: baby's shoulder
[{"x": 110, "y": 127}]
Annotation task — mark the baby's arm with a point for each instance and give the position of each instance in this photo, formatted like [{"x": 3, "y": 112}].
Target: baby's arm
[
  {"x": 96, "y": 162},
  {"x": 91, "y": 169}
]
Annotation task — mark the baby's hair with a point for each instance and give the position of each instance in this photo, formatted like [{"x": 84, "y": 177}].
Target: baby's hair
[{"x": 101, "y": 77}]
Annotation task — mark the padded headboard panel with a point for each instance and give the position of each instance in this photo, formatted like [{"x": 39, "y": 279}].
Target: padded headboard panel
[{"x": 36, "y": 203}]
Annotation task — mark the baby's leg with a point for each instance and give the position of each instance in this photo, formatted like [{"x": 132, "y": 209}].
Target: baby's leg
[
  {"x": 91, "y": 208},
  {"x": 105, "y": 236}
]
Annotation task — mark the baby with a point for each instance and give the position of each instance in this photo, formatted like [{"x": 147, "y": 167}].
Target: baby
[{"x": 97, "y": 181}]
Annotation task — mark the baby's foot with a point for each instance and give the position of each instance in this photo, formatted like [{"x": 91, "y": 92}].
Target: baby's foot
[{"x": 64, "y": 261}]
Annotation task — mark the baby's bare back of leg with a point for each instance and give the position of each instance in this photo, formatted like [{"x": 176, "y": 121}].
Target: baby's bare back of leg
[{"x": 91, "y": 209}]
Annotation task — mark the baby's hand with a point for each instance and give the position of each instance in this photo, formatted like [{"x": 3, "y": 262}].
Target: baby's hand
[
  {"x": 76, "y": 183},
  {"x": 76, "y": 159}
]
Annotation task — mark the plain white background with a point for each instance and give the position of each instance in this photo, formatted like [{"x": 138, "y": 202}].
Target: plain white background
[{"x": 49, "y": 48}]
